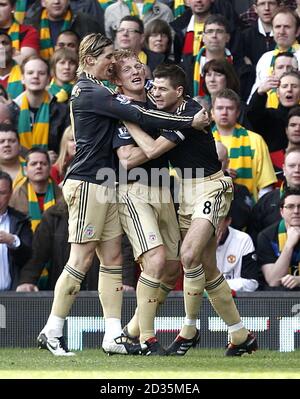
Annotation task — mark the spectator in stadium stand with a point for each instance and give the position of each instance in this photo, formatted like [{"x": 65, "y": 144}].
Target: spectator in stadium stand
[
  {"x": 158, "y": 43},
  {"x": 147, "y": 11},
  {"x": 11, "y": 160},
  {"x": 271, "y": 123},
  {"x": 51, "y": 17},
  {"x": 278, "y": 246},
  {"x": 250, "y": 162},
  {"x": 15, "y": 237},
  {"x": 285, "y": 26},
  {"x": 10, "y": 70},
  {"x": 267, "y": 209},
  {"x": 68, "y": 39},
  {"x": 63, "y": 63},
  {"x": 189, "y": 29},
  {"x": 24, "y": 37},
  {"x": 236, "y": 257},
  {"x": 258, "y": 38}
]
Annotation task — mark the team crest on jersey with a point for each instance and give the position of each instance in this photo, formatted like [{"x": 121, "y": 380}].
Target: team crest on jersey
[
  {"x": 152, "y": 237},
  {"x": 76, "y": 91},
  {"x": 89, "y": 231},
  {"x": 231, "y": 258},
  {"x": 123, "y": 99},
  {"x": 123, "y": 133}
]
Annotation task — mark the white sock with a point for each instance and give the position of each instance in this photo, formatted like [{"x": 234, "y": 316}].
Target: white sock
[
  {"x": 54, "y": 326},
  {"x": 189, "y": 322},
  {"x": 113, "y": 329}
]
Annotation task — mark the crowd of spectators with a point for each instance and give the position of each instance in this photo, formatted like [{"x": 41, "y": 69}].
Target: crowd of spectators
[{"x": 244, "y": 69}]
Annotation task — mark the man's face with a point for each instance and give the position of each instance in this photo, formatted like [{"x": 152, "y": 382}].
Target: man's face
[
  {"x": 284, "y": 64},
  {"x": 6, "y": 51},
  {"x": 225, "y": 112},
  {"x": 284, "y": 29},
  {"x": 131, "y": 75},
  {"x": 166, "y": 96},
  {"x": 293, "y": 130},
  {"x": 9, "y": 147},
  {"x": 291, "y": 210},
  {"x": 5, "y": 194},
  {"x": 38, "y": 168},
  {"x": 291, "y": 169},
  {"x": 35, "y": 77},
  {"x": 265, "y": 9},
  {"x": 215, "y": 37},
  {"x": 67, "y": 40},
  {"x": 56, "y": 8},
  {"x": 200, "y": 7},
  {"x": 129, "y": 36},
  {"x": 103, "y": 64},
  {"x": 289, "y": 91}
]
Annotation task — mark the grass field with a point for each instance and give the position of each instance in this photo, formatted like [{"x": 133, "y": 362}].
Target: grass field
[{"x": 197, "y": 364}]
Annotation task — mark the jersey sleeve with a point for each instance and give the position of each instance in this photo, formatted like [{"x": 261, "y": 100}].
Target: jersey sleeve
[{"x": 121, "y": 137}]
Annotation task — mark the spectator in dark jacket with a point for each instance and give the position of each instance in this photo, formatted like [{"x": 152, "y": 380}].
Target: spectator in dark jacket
[{"x": 15, "y": 237}]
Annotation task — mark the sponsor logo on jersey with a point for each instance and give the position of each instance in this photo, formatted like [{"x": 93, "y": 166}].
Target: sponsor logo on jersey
[
  {"x": 123, "y": 133},
  {"x": 76, "y": 91},
  {"x": 123, "y": 99}
]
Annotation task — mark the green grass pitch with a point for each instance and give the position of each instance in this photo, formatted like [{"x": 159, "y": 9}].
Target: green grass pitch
[{"x": 21, "y": 363}]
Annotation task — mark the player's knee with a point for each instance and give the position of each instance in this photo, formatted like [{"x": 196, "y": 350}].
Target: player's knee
[
  {"x": 154, "y": 262},
  {"x": 187, "y": 257}
]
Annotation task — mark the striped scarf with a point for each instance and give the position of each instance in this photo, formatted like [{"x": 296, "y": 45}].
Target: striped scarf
[
  {"x": 14, "y": 33},
  {"x": 272, "y": 99},
  {"x": 190, "y": 37},
  {"x": 105, "y": 3},
  {"x": 62, "y": 93},
  {"x": 240, "y": 155},
  {"x": 198, "y": 68},
  {"x": 179, "y": 8},
  {"x": 34, "y": 211},
  {"x": 38, "y": 134},
  {"x": 46, "y": 44},
  {"x": 295, "y": 46},
  {"x": 14, "y": 83},
  {"x": 143, "y": 57},
  {"x": 282, "y": 237},
  {"x": 20, "y": 10},
  {"x": 148, "y": 5},
  {"x": 20, "y": 177}
]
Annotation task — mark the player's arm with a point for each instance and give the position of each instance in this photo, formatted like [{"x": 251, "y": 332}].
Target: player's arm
[
  {"x": 131, "y": 156},
  {"x": 152, "y": 148}
]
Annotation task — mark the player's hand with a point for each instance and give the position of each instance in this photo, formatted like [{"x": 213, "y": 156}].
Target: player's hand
[
  {"x": 6, "y": 238},
  {"x": 290, "y": 281},
  {"x": 201, "y": 119}
]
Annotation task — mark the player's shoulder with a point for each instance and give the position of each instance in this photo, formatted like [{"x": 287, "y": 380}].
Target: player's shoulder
[{"x": 188, "y": 106}]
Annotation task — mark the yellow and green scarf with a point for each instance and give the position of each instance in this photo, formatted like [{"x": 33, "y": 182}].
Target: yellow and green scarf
[
  {"x": 20, "y": 10},
  {"x": 282, "y": 237},
  {"x": 33, "y": 204},
  {"x": 295, "y": 46},
  {"x": 36, "y": 216},
  {"x": 148, "y": 5},
  {"x": 179, "y": 8},
  {"x": 240, "y": 155},
  {"x": 198, "y": 80},
  {"x": 14, "y": 83},
  {"x": 14, "y": 33},
  {"x": 46, "y": 45},
  {"x": 21, "y": 176},
  {"x": 38, "y": 135},
  {"x": 62, "y": 93},
  {"x": 105, "y": 3}
]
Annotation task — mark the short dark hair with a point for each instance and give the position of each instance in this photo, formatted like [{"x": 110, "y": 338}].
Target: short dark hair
[
  {"x": 229, "y": 95},
  {"x": 174, "y": 73},
  {"x": 225, "y": 68},
  {"x": 7, "y": 177},
  {"x": 217, "y": 19},
  {"x": 38, "y": 150},
  {"x": 287, "y": 193},
  {"x": 133, "y": 18},
  {"x": 7, "y": 128},
  {"x": 294, "y": 111}
]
